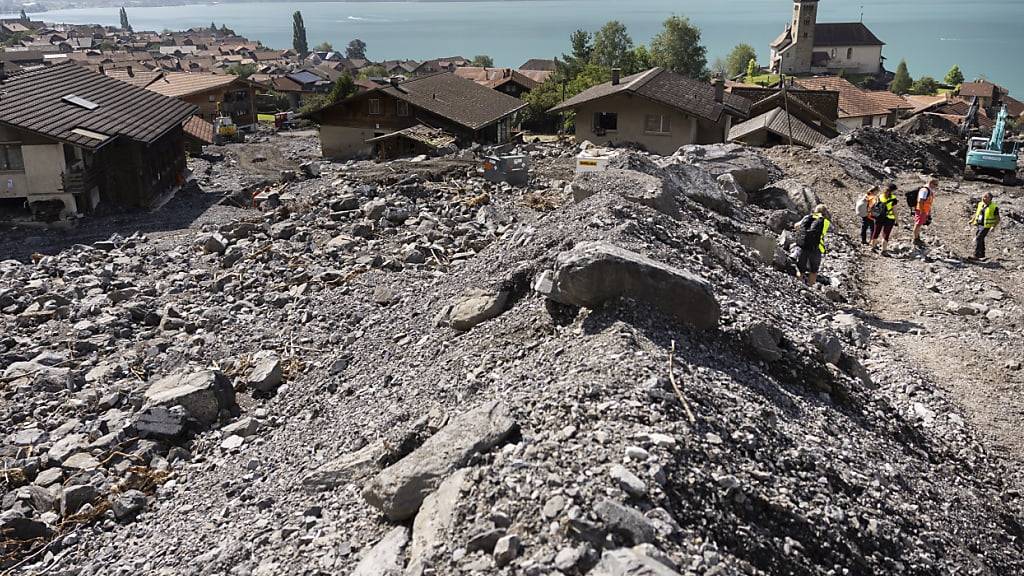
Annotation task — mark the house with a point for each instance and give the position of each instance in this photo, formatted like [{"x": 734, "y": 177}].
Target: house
[
  {"x": 74, "y": 138},
  {"x": 135, "y": 75},
  {"x": 469, "y": 112},
  {"x": 506, "y": 80},
  {"x": 857, "y": 107},
  {"x": 810, "y": 47},
  {"x": 657, "y": 109},
  {"x": 300, "y": 86},
  {"x": 212, "y": 94},
  {"x": 987, "y": 93},
  {"x": 539, "y": 64},
  {"x": 440, "y": 65},
  {"x": 800, "y": 117}
]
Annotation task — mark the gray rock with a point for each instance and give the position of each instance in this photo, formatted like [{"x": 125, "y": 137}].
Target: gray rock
[
  {"x": 630, "y": 562},
  {"x": 764, "y": 339},
  {"x": 567, "y": 558},
  {"x": 161, "y": 423},
  {"x": 81, "y": 461},
  {"x": 435, "y": 518},
  {"x": 49, "y": 378},
  {"x": 20, "y": 528},
  {"x": 243, "y": 427},
  {"x": 49, "y": 477},
  {"x": 829, "y": 345},
  {"x": 628, "y": 481},
  {"x": 399, "y": 490},
  {"x": 347, "y": 468},
  {"x": 791, "y": 194},
  {"x": 74, "y": 497},
  {"x": 266, "y": 374},
  {"x": 128, "y": 504},
  {"x": 485, "y": 540},
  {"x": 66, "y": 446},
  {"x": 625, "y": 522},
  {"x": 476, "y": 307},
  {"x": 594, "y": 272},
  {"x": 202, "y": 394},
  {"x": 506, "y": 549},
  {"x": 748, "y": 166},
  {"x": 650, "y": 190},
  {"x": 385, "y": 558}
]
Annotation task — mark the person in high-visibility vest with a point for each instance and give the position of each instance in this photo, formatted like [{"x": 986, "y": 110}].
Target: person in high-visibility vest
[
  {"x": 923, "y": 210},
  {"x": 884, "y": 212},
  {"x": 986, "y": 217},
  {"x": 816, "y": 227}
]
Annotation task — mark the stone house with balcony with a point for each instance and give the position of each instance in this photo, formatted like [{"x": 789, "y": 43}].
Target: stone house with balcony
[
  {"x": 71, "y": 138},
  {"x": 657, "y": 109}
]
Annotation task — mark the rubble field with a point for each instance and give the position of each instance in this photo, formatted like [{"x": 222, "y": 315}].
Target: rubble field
[{"x": 405, "y": 369}]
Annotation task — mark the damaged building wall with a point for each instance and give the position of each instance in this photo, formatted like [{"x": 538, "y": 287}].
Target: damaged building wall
[
  {"x": 32, "y": 170},
  {"x": 631, "y": 124}
]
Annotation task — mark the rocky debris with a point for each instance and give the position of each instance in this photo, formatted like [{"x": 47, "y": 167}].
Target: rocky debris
[
  {"x": 433, "y": 524},
  {"x": 747, "y": 166},
  {"x": 638, "y": 187},
  {"x": 128, "y": 504},
  {"x": 630, "y": 562},
  {"x": 788, "y": 194},
  {"x": 593, "y": 273},
  {"x": 791, "y": 465},
  {"x": 202, "y": 394},
  {"x": 73, "y": 498},
  {"x": 266, "y": 373},
  {"x": 399, "y": 490},
  {"x": 385, "y": 558}
]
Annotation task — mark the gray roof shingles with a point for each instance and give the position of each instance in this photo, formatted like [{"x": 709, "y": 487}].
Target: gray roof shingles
[
  {"x": 460, "y": 100},
  {"x": 693, "y": 97},
  {"x": 33, "y": 101}
]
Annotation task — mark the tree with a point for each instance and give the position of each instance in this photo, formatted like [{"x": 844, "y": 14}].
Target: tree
[
  {"x": 242, "y": 70},
  {"x": 23, "y": 16},
  {"x": 356, "y": 50},
  {"x": 925, "y": 86},
  {"x": 372, "y": 72},
  {"x": 954, "y": 77},
  {"x": 324, "y": 47},
  {"x": 737, "y": 61},
  {"x": 638, "y": 60},
  {"x": 677, "y": 48},
  {"x": 299, "y": 42},
  {"x": 570, "y": 64},
  {"x": 483, "y": 61},
  {"x": 342, "y": 88},
  {"x": 719, "y": 68},
  {"x": 541, "y": 99},
  {"x": 902, "y": 82},
  {"x": 590, "y": 76},
  {"x": 751, "y": 70},
  {"x": 612, "y": 45},
  {"x": 124, "y": 21}
]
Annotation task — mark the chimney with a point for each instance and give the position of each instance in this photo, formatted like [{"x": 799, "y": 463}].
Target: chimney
[
  {"x": 394, "y": 81},
  {"x": 3, "y": 71},
  {"x": 616, "y": 73},
  {"x": 131, "y": 73},
  {"x": 719, "y": 89},
  {"x": 100, "y": 70}
]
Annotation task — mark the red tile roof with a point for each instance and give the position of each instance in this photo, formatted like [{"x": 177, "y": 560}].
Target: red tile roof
[{"x": 853, "y": 101}]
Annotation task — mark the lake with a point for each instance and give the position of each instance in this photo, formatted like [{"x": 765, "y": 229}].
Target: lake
[{"x": 982, "y": 36}]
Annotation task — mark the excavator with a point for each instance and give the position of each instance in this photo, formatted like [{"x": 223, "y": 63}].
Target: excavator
[{"x": 993, "y": 156}]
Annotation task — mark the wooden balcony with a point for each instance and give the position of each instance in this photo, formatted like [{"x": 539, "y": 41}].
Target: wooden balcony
[{"x": 80, "y": 181}]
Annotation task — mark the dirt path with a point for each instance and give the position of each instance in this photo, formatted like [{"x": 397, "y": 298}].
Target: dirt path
[{"x": 974, "y": 354}]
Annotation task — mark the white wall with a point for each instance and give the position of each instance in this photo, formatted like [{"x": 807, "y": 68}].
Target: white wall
[{"x": 863, "y": 60}]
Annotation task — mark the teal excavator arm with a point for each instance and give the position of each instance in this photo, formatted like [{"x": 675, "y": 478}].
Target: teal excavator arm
[{"x": 995, "y": 143}]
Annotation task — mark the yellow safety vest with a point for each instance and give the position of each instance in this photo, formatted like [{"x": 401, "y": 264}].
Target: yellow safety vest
[
  {"x": 890, "y": 206},
  {"x": 991, "y": 215},
  {"x": 824, "y": 230}
]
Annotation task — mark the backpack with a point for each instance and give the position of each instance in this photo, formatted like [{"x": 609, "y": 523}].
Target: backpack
[
  {"x": 862, "y": 207},
  {"x": 878, "y": 211},
  {"x": 912, "y": 196}
]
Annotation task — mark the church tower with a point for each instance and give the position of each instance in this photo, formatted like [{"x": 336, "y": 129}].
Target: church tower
[{"x": 805, "y": 18}]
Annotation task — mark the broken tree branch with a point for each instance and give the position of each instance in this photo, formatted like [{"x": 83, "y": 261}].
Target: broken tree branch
[{"x": 675, "y": 385}]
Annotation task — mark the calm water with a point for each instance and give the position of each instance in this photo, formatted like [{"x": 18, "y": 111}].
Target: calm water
[{"x": 982, "y": 36}]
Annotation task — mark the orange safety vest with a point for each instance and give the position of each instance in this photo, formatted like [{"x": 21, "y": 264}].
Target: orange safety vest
[{"x": 925, "y": 206}]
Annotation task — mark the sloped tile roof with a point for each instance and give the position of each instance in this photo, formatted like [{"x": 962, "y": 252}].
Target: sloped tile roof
[
  {"x": 777, "y": 122},
  {"x": 539, "y": 64},
  {"x": 853, "y": 101},
  {"x": 36, "y": 101},
  {"x": 844, "y": 34},
  {"x": 140, "y": 78},
  {"x": 495, "y": 77},
  {"x": 693, "y": 97},
  {"x": 178, "y": 84},
  {"x": 981, "y": 89},
  {"x": 199, "y": 129},
  {"x": 462, "y": 101}
]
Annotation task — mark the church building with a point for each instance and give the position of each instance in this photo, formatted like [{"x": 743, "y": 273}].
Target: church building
[{"x": 809, "y": 47}]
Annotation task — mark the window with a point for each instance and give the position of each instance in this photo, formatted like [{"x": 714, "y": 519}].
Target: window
[
  {"x": 605, "y": 121},
  {"x": 849, "y": 53},
  {"x": 374, "y": 106},
  {"x": 657, "y": 124},
  {"x": 866, "y": 121},
  {"x": 10, "y": 158},
  {"x": 403, "y": 108}
]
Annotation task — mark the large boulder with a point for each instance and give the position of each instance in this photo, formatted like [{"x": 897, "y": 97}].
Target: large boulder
[
  {"x": 399, "y": 490},
  {"x": 202, "y": 394},
  {"x": 652, "y": 190},
  {"x": 748, "y": 166},
  {"x": 788, "y": 194},
  {"x": 593, "y": 273},
  {"x": 435, "y": 519}
]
